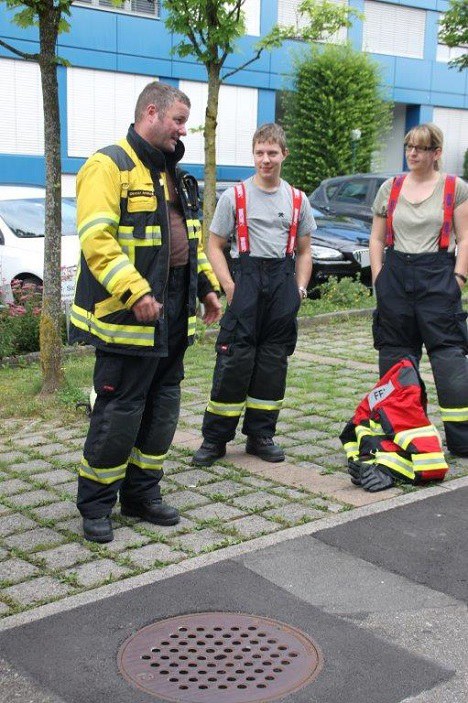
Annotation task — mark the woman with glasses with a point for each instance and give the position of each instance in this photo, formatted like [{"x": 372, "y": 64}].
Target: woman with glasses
[{"x": 419, "y": 261}]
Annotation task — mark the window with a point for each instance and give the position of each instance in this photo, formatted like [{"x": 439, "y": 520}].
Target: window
[
  {"x": 100, "y": 107},
  {"x": 393, "y": 30},
  {"x": 252, "y": 17},
  {"x": 133, "y": 7},
  {"x": 237, "y": 121},
  {"x": 21, "y": 111},
  {"x": 331, "y": 189},
  {"x": 448, "y": 53},
  {"x": 454, "y": 124},
  {"x": 353, "y": 192},
  {"x": 288, "y": 15}
]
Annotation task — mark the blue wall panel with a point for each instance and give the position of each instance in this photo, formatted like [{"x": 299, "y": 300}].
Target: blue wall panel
[
  {"x": 138, "y": 36},
  {"x": 412, "y": 73},
  {"x": 448, "y": 79},
  {"x": 91, "y": 30},
  {"x": 25, "y": 170}
]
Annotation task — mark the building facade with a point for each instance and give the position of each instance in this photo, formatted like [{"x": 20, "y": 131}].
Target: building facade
[{"x": 113, "y": 53}]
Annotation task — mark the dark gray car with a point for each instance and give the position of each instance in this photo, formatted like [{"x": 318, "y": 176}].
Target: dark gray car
[{"x": 349, "y": 195}]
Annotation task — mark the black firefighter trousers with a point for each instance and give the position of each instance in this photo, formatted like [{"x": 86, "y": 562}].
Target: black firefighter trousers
[
  {"x": 419, "y": 302},
  {"x": 135, "y": 416},
  {"x": 258, "y": 333}
]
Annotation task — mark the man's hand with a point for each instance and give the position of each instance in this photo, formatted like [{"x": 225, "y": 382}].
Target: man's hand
[
  {"x": 212, "y": 308},
  {"x": 229, "y": 291},
  {"x": 147, "y": 309}
]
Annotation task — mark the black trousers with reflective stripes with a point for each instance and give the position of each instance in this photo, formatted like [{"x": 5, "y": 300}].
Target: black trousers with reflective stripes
[
  {"x": 140, "y": 412},
  {"x": 419, "y": 302},
  {"x": 258, "y": 333}
]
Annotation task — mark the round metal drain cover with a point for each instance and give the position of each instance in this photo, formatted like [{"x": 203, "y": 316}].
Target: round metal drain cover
[{"x": 219, "y": 658}]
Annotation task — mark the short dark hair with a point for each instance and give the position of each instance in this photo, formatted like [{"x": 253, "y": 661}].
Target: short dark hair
[
  {"x": 270, "y": 132},
  {"x": 161, "y": 95}
]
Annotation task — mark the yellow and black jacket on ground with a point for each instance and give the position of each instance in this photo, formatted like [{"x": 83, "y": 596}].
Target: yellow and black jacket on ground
[{"x": 124, "y": 231}]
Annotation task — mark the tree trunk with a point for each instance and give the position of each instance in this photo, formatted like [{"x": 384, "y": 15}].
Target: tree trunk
[
  {"x": 209, "y": 133},
  {"x": 51, "y": 317}
]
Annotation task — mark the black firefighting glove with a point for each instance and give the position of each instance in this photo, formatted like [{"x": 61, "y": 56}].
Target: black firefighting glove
[{"x": 375, "y": 477}]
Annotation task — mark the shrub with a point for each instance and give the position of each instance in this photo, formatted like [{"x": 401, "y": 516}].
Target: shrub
[
  {"x": 344, "y": 293},
  {"x": 336, "y": 90},
  {"x": 19, "y": 320},
  {"x": 465, "y": 166}
]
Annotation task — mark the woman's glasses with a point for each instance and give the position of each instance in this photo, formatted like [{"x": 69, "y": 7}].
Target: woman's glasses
[{"x": 419, "y": 149}]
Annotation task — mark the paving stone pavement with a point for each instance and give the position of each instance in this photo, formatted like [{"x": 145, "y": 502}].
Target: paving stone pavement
[{"x": 43, "y": 556}]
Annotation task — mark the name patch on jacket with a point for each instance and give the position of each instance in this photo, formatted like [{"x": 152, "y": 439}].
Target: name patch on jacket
[
  {"x": 140, "y": 193},
  {"x": 378, "y": 394}
]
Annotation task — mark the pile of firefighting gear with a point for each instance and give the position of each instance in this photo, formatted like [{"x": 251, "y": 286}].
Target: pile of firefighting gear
[{"x": 390, "y": 436}]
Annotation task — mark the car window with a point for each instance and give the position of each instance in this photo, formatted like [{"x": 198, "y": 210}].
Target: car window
[
  {"x": 331, "y": 189},
  {"x": 26, "y": 217},
  {"x": 353, "y": 192}
]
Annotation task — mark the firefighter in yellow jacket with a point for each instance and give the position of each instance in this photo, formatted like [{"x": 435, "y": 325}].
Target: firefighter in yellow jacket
[{"x": 141, "y": 269}]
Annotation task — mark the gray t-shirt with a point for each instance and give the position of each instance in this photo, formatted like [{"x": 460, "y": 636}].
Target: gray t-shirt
[
  {"x": 269, "y": 218},
  {"x": 417, "y": 225}
]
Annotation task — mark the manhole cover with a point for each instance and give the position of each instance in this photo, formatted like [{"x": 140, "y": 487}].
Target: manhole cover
[{"x": 219, "y": 658}]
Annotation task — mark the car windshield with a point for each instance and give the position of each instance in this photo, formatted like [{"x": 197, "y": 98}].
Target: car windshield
[{"x": 25, "y": 217}]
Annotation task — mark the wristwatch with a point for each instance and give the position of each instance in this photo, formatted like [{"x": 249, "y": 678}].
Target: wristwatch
[{"x": 303, "y": 292}]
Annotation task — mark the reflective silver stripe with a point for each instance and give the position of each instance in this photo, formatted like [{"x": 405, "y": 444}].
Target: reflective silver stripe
[
  {"x": 97, "y": 221},
  {"x": 258, "y": 404},
  {"x": 454, "y": 414},
  {"x": 433, "y": 460},
  {"x": 101, "y": 475},
  {"x": 147, "y": 461},
  {"x": 395, "y": 462},
  {"x": 405, "y": 437},
  {"x": 121, "y": 265},
  {"x": 225, "y": 409},
  {"x": 108, "y": 332}
]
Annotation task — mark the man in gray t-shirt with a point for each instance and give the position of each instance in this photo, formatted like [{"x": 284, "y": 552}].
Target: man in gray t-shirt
[{"x": 271, "y": 269}]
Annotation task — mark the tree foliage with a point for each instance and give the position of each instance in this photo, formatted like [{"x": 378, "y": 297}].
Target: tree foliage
[
  {"x": 210, "y": 30},
  {"x": 336, "y": 90},
  {"x": 50, "y": 18},
  {"x": 454, "y": 30}
]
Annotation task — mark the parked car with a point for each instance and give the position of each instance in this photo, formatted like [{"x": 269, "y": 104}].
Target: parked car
[
  {"x": 349, "y": 195},
  {"x": 22, "y": 217},
  {"x": 340, "y": 248}
]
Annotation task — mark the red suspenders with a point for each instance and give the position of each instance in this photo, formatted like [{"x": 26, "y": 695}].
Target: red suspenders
[
  {"x": 449, "y": 204},
  {"x": 241, "y": 220}
]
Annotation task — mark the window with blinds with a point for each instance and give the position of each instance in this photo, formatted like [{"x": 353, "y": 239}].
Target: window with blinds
[
  {"x": 393, "y": 30},
  {"x": 21, "y": 111},
  {"x": 448, "y": 53},
  {"x": 252, "y": 17},
  {"x": 100, "y": 107},
  {"x": 237, "y": 121},
  {"x": 454, "y": 124},
  {"x": 288, "y": 15},
  {"x": 149, "y": 8}
]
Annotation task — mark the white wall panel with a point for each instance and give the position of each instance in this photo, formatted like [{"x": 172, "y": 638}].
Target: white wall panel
[
  {"x": 237, "y": 121},
  {"x": 454, "y": 124},
  {"x": 21, "y": 111},
  {"x": 393, "y": 29},
  {"x": 100, "y": 107}
]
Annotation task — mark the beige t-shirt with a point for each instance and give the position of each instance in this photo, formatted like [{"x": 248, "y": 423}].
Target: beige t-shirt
[{"x": 417, "y": 226}]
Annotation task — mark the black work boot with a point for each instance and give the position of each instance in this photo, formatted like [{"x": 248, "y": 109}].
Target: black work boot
[
  {"x": 265, "y": 448},
  {"x": 156, "y": 511},
  {"x": 208, "y": 453},
  {"x": 98, "y": 529}
]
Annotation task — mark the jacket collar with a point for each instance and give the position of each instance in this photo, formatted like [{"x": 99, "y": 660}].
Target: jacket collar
[{"x": 152, "y": 157}]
